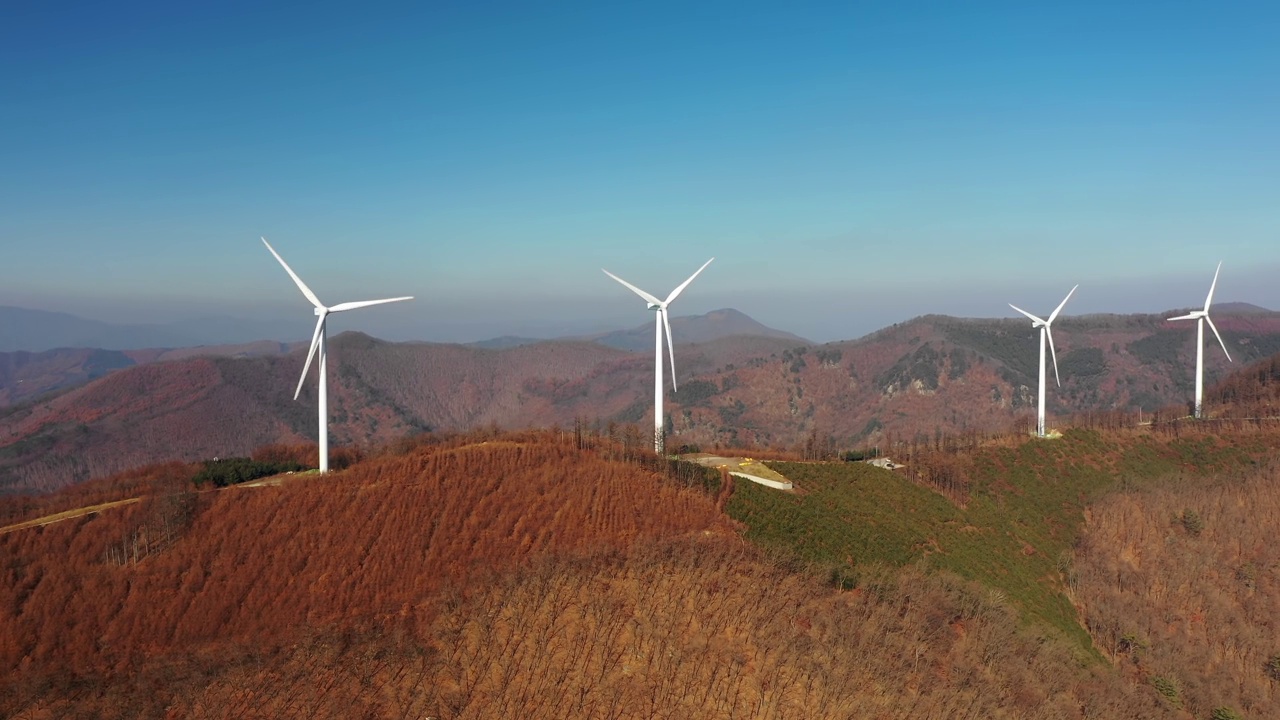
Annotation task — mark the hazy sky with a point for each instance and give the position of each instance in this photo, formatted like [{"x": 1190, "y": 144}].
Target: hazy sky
[{"x": 849, "y": 165}]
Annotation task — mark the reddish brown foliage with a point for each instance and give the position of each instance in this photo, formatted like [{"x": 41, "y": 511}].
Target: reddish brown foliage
[
  {"x": 368, "y": 543},
  {"x": 697, "y": 628}
]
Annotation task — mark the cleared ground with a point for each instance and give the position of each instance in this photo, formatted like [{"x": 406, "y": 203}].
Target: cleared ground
[{"x": 742, "y": 466}]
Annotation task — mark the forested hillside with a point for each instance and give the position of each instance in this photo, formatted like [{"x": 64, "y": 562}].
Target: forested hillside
[{"x": 1180, "y": 584}]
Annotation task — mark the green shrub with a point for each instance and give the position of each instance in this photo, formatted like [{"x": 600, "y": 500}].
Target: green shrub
[
  {"x": 696, "y": 392},
  {"x": 1191, "y": 522},
  {"x": 1225, "y": 713},
  {"x": 232, "y": 471},
  {"x": 1273, "y": 667},
  {"x": 1168, "y": 688}
]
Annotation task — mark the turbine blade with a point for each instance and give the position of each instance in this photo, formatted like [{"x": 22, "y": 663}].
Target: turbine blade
[
  {"x": 1215, "y": 334},
  {"x": 1060, "y": 306},
  {"x": 365, "y": 303},
  {"x": 671, "y": 348},
  {"x": 646, "y": 296},
  {"x": 1209, "y": 298},
  {"x": 1034, "y": 319},
  {"x": 680, "y": 288},
  {"x": 1182, "y": 317},
  {"x": 1054, "y": 354},
  {"x": 315, "y": 342},
  {"x": 301, "y": 285}
]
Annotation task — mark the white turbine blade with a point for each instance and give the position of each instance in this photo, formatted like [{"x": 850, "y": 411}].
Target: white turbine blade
[
  {"x": 1060, "y": 306},
  {"x": 315, "y": 342},
  {"x": 679, "y": 289},
  {"x": 1054, "y": 354},
  {"x": 1209, "y": 298},
  {"x": 301, "y": 285},
  {"x": 1215, "y": 334},
  {"x": 1034, "y": 319},
  {"x": 671, "y": 349},
  {"x": 1182, "y": 317},
  {"x": 646, "y": 296},
  {"x": 365, "y": 303}
]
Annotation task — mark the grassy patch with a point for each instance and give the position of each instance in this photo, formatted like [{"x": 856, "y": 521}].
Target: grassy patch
[{"x": 1025, "y": 512}]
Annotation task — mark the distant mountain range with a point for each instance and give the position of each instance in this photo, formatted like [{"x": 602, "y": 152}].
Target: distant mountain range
[
  {"x": 687, "y": 329},
  {"x": 35, "y": 331},
  {"x": 22, "y": 329},
  {"x": 932, "y": 374},
  {"x": 25, "y": 374}
]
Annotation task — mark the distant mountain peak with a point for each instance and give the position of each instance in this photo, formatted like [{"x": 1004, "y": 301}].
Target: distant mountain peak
[{"x": 692, "y": 329}]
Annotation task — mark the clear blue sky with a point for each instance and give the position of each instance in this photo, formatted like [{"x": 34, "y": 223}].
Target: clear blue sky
[{"x": 849, "y": 165}]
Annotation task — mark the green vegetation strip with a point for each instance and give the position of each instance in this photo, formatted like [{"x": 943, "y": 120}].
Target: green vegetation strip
[{"x": 1016, "y": 534}]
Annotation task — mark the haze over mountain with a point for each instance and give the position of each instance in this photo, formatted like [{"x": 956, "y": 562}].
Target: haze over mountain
[
  {"x": 23, "y": 329},
  {"x": 933, "y": 374},
  {"x": 25, "y": 374}
]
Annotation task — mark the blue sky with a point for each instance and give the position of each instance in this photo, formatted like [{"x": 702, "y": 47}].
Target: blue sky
[{"x": 850, "y": 165}]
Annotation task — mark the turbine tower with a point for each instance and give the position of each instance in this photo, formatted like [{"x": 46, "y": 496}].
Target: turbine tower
[
  {"x": 1201, "y": 317},
  {"x": 318, "y": 348},
  {"x": 1045, "y": 332},
  {"x": 661, "y": 323}
]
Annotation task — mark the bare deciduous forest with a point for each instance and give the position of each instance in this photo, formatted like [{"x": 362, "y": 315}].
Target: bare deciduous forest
[
  {"x": 1180, "y": 586},
  {"x": 694, "y": 628}
]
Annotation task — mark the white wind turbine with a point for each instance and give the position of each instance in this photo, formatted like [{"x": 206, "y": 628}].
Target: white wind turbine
[
  {"x": 318, "y": 348},
  {"x": 1201, "y": 317},
  {"x": 661, "y": 322},
  {"x": 1045, "y": 332}
]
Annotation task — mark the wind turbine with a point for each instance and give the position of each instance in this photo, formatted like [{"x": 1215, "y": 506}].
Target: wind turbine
[
  {"x": 661, "y": 322},
  {"x": 318, "y": 348},
  {"x": 1045, "y": 332},
  {"x": 1201, "y": 317}
]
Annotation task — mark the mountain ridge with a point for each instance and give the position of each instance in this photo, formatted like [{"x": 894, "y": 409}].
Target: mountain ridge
[{"x": 934, "y": 374}]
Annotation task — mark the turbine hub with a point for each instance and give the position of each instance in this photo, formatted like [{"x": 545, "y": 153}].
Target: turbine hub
[{"x": 322, "y": 311}]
